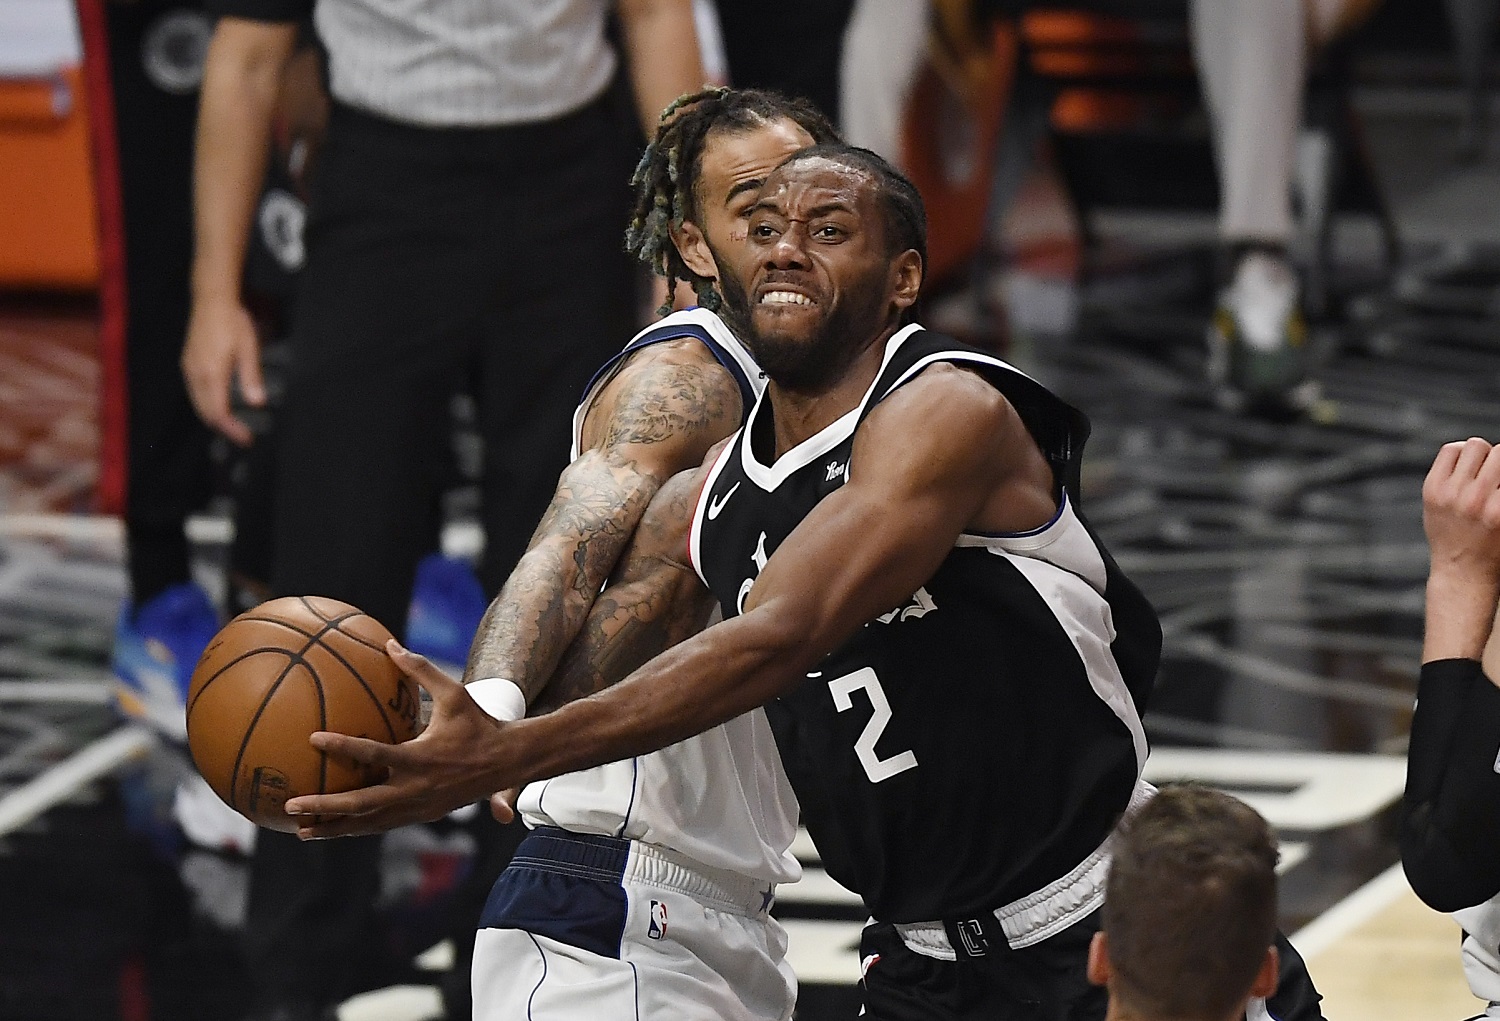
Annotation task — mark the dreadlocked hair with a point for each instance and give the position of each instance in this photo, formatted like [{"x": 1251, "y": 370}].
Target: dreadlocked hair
[{"x": 666, "y": 179}]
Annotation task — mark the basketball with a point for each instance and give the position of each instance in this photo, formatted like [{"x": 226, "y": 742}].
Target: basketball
[{"x": 272, "y": 677}]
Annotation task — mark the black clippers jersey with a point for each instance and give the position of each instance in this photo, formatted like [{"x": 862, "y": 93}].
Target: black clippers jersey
[{"x": 980, "y": 740}]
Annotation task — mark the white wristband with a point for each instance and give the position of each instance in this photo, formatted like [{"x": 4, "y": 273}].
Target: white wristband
[{"x": 501, "y": 698}]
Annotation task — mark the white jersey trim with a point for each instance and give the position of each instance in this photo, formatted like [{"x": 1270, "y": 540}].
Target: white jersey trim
[
  {"x": 1045, "y": 913},
  {"x": 770, "y": 477}
]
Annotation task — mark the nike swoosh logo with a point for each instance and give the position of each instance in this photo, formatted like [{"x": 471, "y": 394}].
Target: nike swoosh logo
[{"x": 717, "y": 503}]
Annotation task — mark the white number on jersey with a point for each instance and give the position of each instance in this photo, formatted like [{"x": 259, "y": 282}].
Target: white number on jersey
[{"x": 876, "y": 768}]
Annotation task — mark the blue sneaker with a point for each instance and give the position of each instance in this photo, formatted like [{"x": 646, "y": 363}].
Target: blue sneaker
[
  {"x": 156, "y": 647},
  {"x": 447, "y": 603}
]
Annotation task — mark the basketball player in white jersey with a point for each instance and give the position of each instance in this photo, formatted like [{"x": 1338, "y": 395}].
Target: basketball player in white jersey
[{"x": 644, "y": 888}]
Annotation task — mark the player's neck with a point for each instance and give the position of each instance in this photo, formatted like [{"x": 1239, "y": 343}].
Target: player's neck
[{"x": 800, "y": 414}]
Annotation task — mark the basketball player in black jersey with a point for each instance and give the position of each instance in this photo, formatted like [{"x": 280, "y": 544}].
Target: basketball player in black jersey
[{"x": 951, "y": 662}]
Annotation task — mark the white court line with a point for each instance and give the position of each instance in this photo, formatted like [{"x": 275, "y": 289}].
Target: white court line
[
  {"x": 65, "y": 779},
  {"x": 462, "y": 539},
  {"x": 1351, "y": 912},
  {"x": 100, "y": 692},
  {"x": 86, "y": 527}
]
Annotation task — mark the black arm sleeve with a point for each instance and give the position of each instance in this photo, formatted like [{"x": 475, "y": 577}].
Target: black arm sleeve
[{"x": 1450, "y": 821}]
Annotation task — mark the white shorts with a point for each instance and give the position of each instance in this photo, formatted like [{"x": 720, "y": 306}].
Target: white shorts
[{"x": 589, "y": 928}]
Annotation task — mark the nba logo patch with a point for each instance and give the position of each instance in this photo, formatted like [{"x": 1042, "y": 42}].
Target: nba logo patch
[{"x": 657, "y": 929}]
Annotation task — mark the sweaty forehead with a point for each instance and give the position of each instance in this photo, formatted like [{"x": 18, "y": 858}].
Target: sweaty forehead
[{"x": 817, "y": 180}]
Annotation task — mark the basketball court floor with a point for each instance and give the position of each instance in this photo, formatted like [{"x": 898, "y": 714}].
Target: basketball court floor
[{"x": 1286, "y": 562}]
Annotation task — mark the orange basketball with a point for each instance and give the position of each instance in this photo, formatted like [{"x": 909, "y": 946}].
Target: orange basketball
[{"x": 273, "y": 676}]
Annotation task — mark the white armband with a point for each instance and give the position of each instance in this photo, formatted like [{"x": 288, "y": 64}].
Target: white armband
[{"x": 501, "y": 698}]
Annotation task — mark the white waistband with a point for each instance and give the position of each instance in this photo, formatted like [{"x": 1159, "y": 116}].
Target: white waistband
[
  {"x": 1039, "y": 915},
  {"x": 651, "y": 865}
]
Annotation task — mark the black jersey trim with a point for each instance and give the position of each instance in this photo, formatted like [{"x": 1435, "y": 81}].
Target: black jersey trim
[{"x": 635, "y": 783}]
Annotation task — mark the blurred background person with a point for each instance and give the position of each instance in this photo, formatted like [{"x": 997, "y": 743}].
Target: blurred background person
[
  {"x": 1252, "y": 60},
  {"x": 464, "y": 233},
  {"x": 155, "y": 60}
]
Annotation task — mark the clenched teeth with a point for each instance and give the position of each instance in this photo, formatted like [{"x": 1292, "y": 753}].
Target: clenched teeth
[{"x": 785, "y": 298}]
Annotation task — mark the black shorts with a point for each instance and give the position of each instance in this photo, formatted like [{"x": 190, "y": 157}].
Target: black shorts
[{"x": 1044, "y": 982}]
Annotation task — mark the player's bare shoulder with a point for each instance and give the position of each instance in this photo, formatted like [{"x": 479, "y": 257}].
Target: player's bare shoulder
[
  {"x": 959, "y": 429},
  {"x": 958, "y": 404},
  {"x": 673, "y": 396}
]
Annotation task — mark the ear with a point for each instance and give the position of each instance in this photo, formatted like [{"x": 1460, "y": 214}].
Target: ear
[
  {"x": 1269, "y": 975},
  {"x": 907, "y": 279},
  {"x": 1098, "y": 969},
  {"x": 693, "y": 247}
]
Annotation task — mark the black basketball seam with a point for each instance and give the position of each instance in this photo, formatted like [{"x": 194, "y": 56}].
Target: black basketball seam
[
  {"x": 379, "y": 706},
  {"x": 329, "y": 624},
  {"x": 333, "y": 625},
  {"x": 234, "y": 774},
  {"x": 297, "y": 657},
  {"x": 335, "y": 622}
]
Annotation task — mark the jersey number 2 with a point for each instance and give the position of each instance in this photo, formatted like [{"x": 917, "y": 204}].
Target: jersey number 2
[{"x": 876, "y": 768}]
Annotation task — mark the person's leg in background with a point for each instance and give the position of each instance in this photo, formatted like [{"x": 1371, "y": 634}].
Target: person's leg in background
[
  {"x": 568, "y": 304},
  {"x": 884, "y": 48},
  {"x": 760, "y": 59},
  {"x": 387, "y": 307},
  {"x": 1252, "y": 60},
  {"x": 155, "y": 68}
]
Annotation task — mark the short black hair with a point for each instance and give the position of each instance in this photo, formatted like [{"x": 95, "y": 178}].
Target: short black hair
[
  {"x": 901, "y": 203},
  {"x": 666, "y": 178}
]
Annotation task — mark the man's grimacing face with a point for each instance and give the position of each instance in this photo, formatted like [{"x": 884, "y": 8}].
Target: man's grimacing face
[{"x": 812, "y": 282}]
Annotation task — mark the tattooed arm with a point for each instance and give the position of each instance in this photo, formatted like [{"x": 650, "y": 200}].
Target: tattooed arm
[
  {"x": 658, "y": 416},
  {"x": 655, "y": 601}
]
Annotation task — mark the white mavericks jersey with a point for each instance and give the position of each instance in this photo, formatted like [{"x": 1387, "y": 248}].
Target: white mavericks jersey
[{"x": 722, "y": 797}]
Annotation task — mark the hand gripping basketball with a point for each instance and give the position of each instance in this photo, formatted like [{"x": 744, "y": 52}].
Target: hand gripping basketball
[{"x": 450, "y": 764}]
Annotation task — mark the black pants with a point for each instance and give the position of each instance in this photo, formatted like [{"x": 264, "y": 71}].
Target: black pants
[
  {"x": 168, "y": 470},
  {"x": 1044, "y": 982},
  {"x": 436, "y": 259}
]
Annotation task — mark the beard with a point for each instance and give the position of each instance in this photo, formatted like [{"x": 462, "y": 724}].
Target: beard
[{"x": 807, "y": 364}]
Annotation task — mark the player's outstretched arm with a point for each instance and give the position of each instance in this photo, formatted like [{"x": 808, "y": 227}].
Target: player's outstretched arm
[
  {"x": 944, "y": 454},
  {"x": 1450, "y": 826},
  {"x": 655, "y": 602},
  {"x": 659, "y": 416}
]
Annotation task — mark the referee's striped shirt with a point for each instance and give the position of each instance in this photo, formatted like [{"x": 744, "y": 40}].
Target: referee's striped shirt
[{"x": 455, "y": 63}]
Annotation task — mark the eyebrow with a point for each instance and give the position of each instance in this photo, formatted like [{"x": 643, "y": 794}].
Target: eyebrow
[
  {"x": 752, "y": 184},
  {"x": 813, "y": 213}
]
